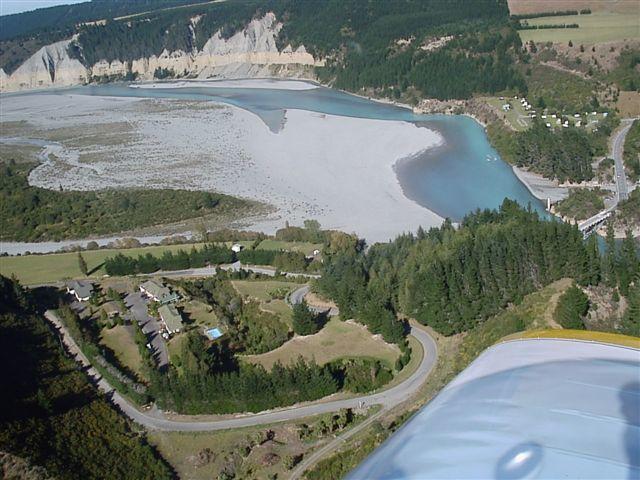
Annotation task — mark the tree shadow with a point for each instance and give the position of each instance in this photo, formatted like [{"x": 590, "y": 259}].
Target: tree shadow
[{"x": 95, "y": 269}]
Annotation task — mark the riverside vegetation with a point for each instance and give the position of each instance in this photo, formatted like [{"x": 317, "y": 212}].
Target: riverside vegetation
[{"x": 30, "y": 213}]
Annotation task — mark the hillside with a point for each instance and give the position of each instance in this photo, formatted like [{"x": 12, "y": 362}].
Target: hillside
[{"x": 450, "y": 50}]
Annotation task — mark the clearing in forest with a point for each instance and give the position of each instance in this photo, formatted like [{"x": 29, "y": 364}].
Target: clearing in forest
[{"x": 336, "y": 340}]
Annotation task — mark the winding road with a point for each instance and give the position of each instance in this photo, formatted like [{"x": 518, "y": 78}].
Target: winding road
[
  {"x": 386, "y": 398},
  {"x": 622, "y": 187}
]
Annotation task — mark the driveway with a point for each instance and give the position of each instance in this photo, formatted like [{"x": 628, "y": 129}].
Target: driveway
[
  {"x": 298, "y": 295},
  {"x": 151, "y": 327}
]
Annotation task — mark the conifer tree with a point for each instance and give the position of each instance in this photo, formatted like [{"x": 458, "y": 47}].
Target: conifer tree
[{"x": 82, "y": 264}]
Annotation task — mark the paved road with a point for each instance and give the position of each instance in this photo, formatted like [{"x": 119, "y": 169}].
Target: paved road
[
  {"x": 234, "y": 267},
  {"x": 150, "y": 327},
  {"x": 617, "y": 147},
  {"x": 387, "y": 398},
  {"x": 622, "y": 187},
  {"x": 298, "y": 295}
]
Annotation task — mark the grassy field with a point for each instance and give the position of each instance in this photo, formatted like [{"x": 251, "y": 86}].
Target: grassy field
[
  {"x": 629, "y": 104},
  {"x": 200, "y": 313},
  {"x": 204, "y": 455},
  {"x": 259, "y": 289},
  {"x": 280, "y": 308},
  {"x": 305, "y": 247},
  {"x": 598, "y": 27},
  {"x": 517, "y": 117},
  {"x": 120, "y": 340},
  {"x": 36, "y": 269},
  {"x": 201, "y": 456},
  {"x": 603, "y": 337},
  {"x": 55, "y": 267},
  {"x": 336, "y": 340},
  {"x": 175, "y": 347}
]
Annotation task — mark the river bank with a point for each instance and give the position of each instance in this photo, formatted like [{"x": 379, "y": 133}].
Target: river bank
[{"x": 335, "y": 169}]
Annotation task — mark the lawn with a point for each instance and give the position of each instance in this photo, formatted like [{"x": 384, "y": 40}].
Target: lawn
[
  {"x": 54, "y": 267},
  {"x": 336, "y": 340},
  {"x": 597, "y": 27},
  {"x": 120, "y": 340},
  {"x": 260, "y": 289},
  {"x": 175, "y": 348},
  {"x": 200, "y": 313},
  {"x": 517, "y": 117},
  {"x": 305, "y": 247},
  {"x": 280, "y": 308}
]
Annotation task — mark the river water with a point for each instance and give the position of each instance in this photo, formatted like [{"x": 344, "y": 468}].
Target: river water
[{"x": 461, "y": 175}]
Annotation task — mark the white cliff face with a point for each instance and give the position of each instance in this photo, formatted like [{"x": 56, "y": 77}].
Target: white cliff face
[
  {"x": 50, "y": 66},
  {"x": 250, "y": 52}
]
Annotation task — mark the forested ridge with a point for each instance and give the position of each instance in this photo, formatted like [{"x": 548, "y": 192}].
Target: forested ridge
[
  {"x": 50, "y": 413},
  {"x": 565, "y": 155},
  {"x": 370, "y": 45},
  {"x": 454, "y": 279}
]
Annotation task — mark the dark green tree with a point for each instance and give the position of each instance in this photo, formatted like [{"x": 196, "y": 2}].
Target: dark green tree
[
  {"x": 304, "y": 320},
  {"x": 82, "y": 264},
  {"x": 572, "y": 307}
]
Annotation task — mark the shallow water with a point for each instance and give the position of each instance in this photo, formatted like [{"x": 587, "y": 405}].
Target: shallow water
[{"x": 462, "y": 175}]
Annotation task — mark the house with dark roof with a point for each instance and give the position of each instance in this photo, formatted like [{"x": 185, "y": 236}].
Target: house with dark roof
[
  {"x": 171, "y": 318},
  {"x": 81, "y": 289},
  {"x": 158, "y": 292}
]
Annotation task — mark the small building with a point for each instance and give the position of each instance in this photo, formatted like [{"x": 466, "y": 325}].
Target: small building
[
  {"x": 171, "y": 318},
  {"x": 237, "y": 248},
  {"x": 81, "y": 289},
  {"x": 158, "y": 292}
]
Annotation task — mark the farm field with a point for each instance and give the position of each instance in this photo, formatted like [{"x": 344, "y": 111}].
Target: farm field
[
  {"x": 537, "y": 6},
  {"x": 120, "y": 340},
  {"x": 55, "y": 267},
  {"x": 305, "y": 247},
  {"x": 597, "y": 27},
  {"x": 336, "y": 340}
]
